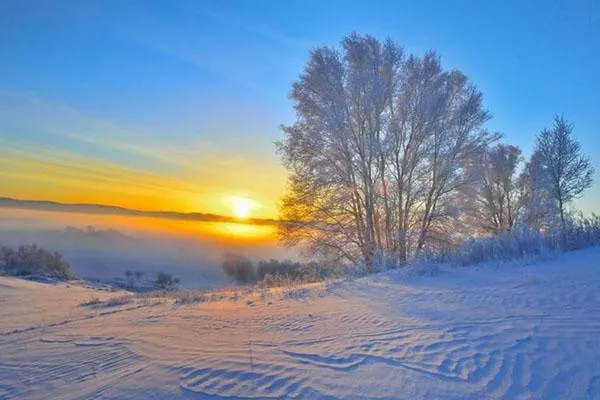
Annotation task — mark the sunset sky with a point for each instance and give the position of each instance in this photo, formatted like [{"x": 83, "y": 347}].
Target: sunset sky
[{"x": 175, "y": 105}]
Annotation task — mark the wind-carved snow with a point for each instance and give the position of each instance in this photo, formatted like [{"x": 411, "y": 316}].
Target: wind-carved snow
[{"x": 507, "y": 331}]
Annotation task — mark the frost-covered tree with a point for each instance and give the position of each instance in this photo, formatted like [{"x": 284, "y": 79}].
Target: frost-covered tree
[
  {"x": 566, "y": 172},
  {"x": 537, "y": 207},
  {"x": 377, "y": 152},
  {"x": 33, "y": 260},
  {"x": 497, "y": 191}
]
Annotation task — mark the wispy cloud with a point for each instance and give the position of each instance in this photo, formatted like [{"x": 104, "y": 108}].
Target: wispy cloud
[
  {"x": 272, "y": 35},
  {"x": 169, "y": 37},
  {"x": 184, "y": 39},
  {"x": 29, "y": 118}
]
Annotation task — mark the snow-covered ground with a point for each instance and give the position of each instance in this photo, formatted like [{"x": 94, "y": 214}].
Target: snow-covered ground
[{"x": 509, "y": 331}]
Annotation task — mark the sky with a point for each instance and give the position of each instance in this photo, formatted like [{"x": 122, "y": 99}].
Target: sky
[{"x": 176, "y": 105}]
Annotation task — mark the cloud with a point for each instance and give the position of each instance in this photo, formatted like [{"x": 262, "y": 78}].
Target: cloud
[
  {"x": 26, "y": 117},
  {"x": 189, "y": 35},
  {"x": 263, "y": 32}
]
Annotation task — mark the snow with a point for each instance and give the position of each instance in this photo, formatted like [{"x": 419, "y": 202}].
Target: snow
[{"x": 520, "y": 330}]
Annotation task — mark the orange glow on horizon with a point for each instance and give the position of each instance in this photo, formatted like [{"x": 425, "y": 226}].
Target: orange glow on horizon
[
  {"x": 76, "y": 179},
  {"x": 219, "y": 231}
]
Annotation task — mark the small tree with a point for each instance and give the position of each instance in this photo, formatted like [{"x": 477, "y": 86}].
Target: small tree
[
  {"x": 566, "y": 172},
  {"x": 139, "y": 275},
  {"x": 129, "y": 277},
  {"x": 165, "y": 281},
  {"x": 238, "y": 268}
]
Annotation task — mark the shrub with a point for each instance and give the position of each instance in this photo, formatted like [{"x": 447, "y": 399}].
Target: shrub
[
  {"x": 133, "y": 280},
  {"x": 32, "y": 260},
  {"x": 580, "y": 232},
  {"x": 118, "y": 301},
  {"x": 275, "y": 267},
  {"x": 280, "y": 273},
  {"x": 165, "y": 281},
  {"x": 94, "y": 301},
  {"x": 238, "y": 268}
]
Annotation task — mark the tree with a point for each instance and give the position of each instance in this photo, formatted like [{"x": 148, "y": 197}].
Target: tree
[
  {"x": 238, "y": 268},
  {"x": 165, "y": 281},
  {"x": 496, "y": 194},
  {"x": 129, "y": 278},
  {"x": 537, "y": 208},
  {"x": 377, "y": 151},
  {"x": 139, "y": 275},
  {"x": 566, "y": 172}
]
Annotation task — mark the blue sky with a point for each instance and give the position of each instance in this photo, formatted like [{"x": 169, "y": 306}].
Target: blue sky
[{"x": 175, "y": 104}]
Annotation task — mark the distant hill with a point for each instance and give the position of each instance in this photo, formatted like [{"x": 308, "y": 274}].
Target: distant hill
[{"x": 42, "y": 205}]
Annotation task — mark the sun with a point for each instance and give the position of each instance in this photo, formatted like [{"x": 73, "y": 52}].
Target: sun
[{"x": 242, "y": 206}]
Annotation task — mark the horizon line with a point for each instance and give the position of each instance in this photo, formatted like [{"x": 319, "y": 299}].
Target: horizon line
[{"x": 107, "y": 209}]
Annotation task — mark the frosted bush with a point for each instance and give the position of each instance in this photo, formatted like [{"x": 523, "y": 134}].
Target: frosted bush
[
  {"x": 524, "y": 242},
  {"x": 424, "y": 265},
  {"x": 31, "y": 260}
]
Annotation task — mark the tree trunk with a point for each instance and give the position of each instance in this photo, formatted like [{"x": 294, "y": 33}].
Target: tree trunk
[{"x": 562, "y": 213}]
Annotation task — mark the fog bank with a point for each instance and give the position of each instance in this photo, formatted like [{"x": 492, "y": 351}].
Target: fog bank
[{"x": 105, "y": 246}]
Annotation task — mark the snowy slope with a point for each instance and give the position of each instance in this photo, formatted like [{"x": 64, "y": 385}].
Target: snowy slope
[{"x": 509, "y": 331}]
